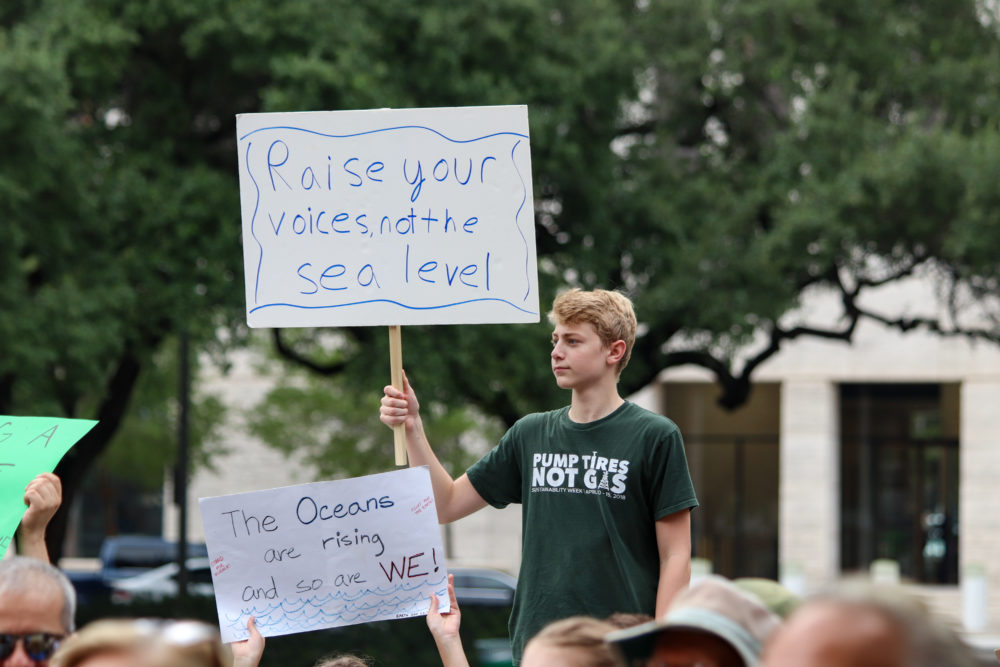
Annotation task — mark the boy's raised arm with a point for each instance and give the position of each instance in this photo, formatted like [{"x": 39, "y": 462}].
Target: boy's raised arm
[{"x": 454, "y": 498}]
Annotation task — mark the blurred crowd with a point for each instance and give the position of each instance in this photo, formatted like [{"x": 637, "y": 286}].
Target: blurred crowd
[{"x": 714, "y": 622}]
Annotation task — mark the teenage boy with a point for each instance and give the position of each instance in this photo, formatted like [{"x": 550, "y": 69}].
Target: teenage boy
[{"x": 604, "y": 484}]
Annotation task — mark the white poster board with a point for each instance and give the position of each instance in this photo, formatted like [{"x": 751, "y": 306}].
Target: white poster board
[
  {"x": 388, "y": 217},
  {"x": 326, "y": 554}
]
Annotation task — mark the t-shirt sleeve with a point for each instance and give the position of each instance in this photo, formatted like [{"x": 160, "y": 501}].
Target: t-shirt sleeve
[
  {"x": 497, "y": 476},
  {"x": 674, "y": 490}
]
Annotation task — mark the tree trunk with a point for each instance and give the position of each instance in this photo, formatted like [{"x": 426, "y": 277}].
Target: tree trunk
[{"x": 74, "y": 466}]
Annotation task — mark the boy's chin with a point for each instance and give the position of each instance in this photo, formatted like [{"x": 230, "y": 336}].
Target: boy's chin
[{"x": 563, "y": 382}]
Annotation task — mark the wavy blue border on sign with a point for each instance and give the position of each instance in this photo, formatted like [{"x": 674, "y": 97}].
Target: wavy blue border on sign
[
  {"x": 382, "y": 129},
  {"x": 393, "y": 302},
  {"x": 517, "y": 214}
]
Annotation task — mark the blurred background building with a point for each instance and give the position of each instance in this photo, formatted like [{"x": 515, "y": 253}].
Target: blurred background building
[{"x": 877, "y": 454}]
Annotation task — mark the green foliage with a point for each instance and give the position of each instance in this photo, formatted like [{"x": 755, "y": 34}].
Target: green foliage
[
  {"x": 717, "y": 161},
  {"x": 714, "y": 159},
  {"x": 113, "y": 232},
  {"x": 332, "y": 424},
  {"x": 146, "y": 443}
]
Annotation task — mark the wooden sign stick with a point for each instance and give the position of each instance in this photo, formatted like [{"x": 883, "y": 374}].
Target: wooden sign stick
[{"x": 396, "y": 374}]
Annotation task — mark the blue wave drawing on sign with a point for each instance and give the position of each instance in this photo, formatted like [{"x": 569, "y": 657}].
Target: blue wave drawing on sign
[{"x": 290, "y": 615}]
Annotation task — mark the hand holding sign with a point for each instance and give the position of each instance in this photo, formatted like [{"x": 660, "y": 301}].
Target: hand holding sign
[
  {"x": 43, "y": 498},
  {"x": 445, "y": 628},
  {"x": 248, "y": 652},
  {"x": 30, "y": 446}
]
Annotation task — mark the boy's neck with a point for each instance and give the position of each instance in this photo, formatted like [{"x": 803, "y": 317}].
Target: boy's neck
[{"x": 589, "y": 406}]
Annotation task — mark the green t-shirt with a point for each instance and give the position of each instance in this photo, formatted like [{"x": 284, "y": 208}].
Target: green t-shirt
[{"x": 590, "y": 495}]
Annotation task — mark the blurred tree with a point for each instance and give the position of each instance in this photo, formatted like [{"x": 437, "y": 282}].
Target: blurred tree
[
  {"x": 114, "y": 207},
  {"x": 717, "y": 160},
  {"x": 779, "y": 148},
  {"x": 144, "y": 447},
  {"x": 297, "y": 419}
]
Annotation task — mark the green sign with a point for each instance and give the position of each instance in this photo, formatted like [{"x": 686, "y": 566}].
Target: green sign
[{"x": 30, "y": 446}]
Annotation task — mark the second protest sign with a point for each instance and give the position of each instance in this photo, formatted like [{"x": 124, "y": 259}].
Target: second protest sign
[{"x": 325, "y": 554}]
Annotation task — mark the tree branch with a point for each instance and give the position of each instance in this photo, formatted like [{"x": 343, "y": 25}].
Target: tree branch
[
  {"x": 934, "y": 325},
  {"x": 916, "y": 260},
  {"x": 6, "y": 393},
  {"x": 286, "y": 352}
]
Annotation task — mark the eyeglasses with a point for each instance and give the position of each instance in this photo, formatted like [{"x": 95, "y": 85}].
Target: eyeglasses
[{"x": 38, "y": 645}]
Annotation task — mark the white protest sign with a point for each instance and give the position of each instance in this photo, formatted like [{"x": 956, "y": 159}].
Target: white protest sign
[
  {"x": 325, "y": 554},
  {"x": 388, "y": 217}
]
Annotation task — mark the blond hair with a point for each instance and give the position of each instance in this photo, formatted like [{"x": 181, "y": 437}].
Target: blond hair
[
  {"x": 152, "y": 643},
  {"x": 610, "y": 313},
  {"x": 624, "y": 620},
  {"x": 344, "y": 660},
  {"x": 583, "y": 634}
]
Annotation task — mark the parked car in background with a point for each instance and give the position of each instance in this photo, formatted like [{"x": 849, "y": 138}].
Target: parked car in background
[
  {"x": 88, "y": 583},
  {"x": 128, "y": 555},
  {"x": 122, "y": 556},
  {"x": 483, "y": 586},
  {"x": 160, "y": 583},
  {"x": 473, "y": 586}
]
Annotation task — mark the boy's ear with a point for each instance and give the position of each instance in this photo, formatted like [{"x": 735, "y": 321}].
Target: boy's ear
[{"x": 616, "y": 351}]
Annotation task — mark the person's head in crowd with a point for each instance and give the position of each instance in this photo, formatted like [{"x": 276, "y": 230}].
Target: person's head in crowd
[
  {"x": 775, "y": 597},
  {"x": 344, "y": 660},
  {"x": 622, "y": 620},
  {"x": 37, "y": 608},
  {"x": 143, "y": 643},
  {"x": 712, "y": 624},
  {"x": 577, "y": 641},
  {"x": 859, "y": 624}
]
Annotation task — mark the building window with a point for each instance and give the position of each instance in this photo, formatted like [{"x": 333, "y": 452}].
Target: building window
[
  {"x": 733, "y": 456},
  {"x": 736, "y": 525},
  {"x": 899, "y": 478}
]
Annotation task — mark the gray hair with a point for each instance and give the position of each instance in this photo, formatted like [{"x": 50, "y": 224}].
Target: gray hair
[
  {"x": 930, "y": 641},
  {"x": 21, "y": 574}
]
